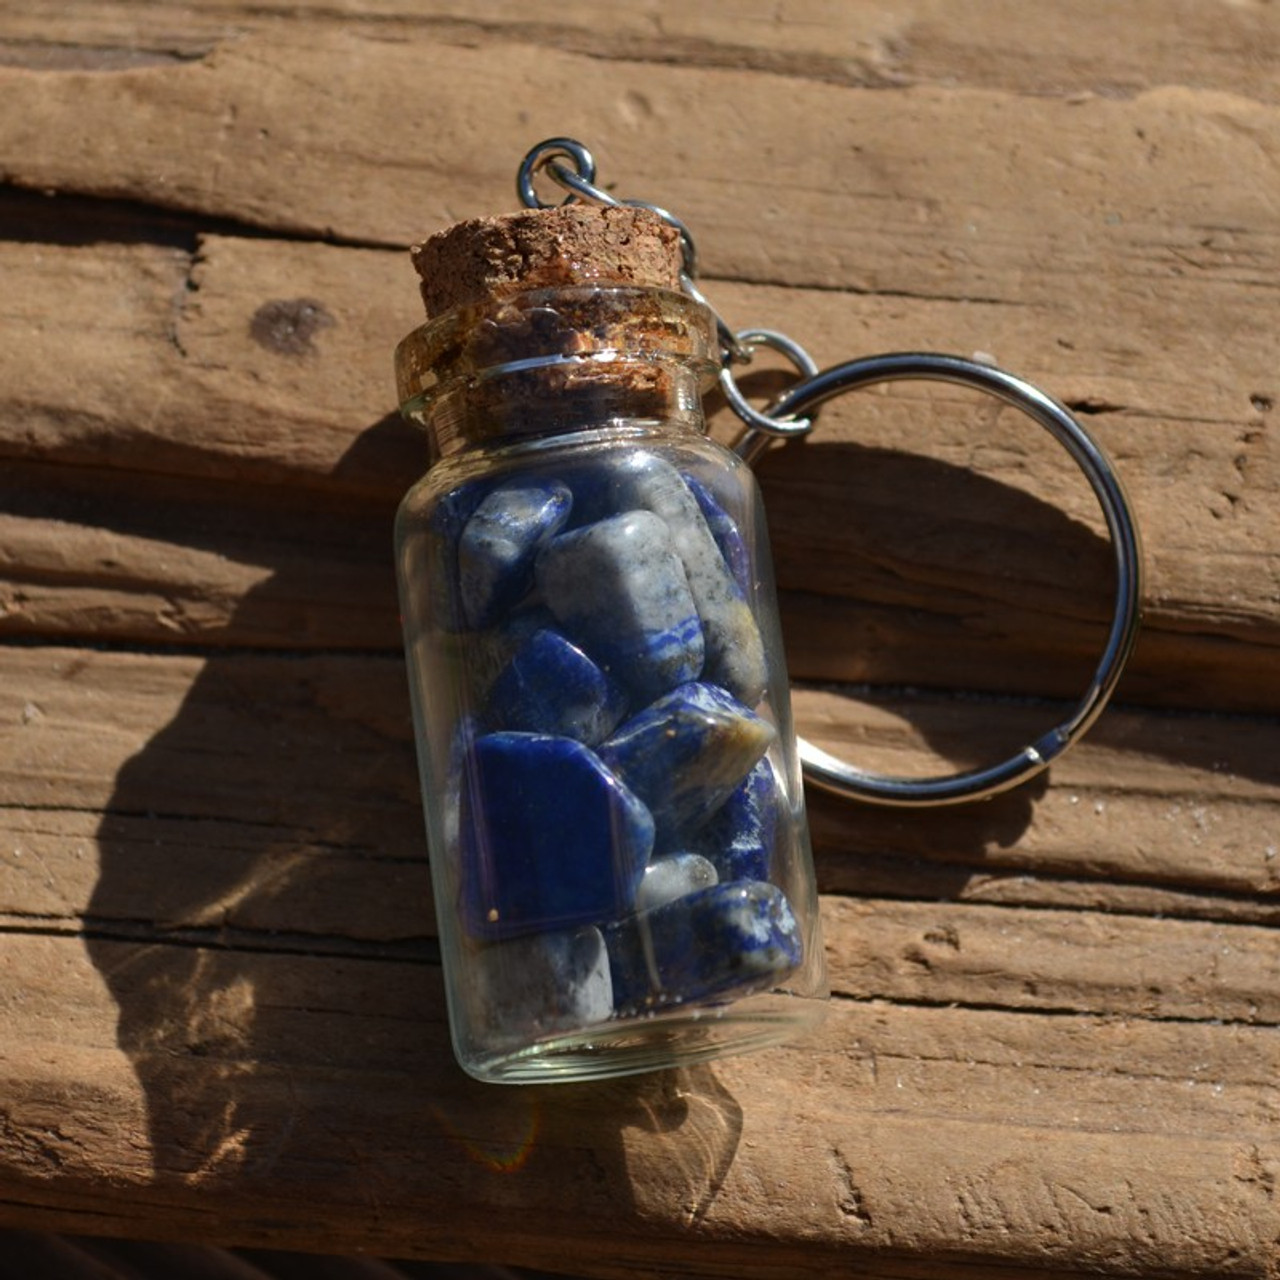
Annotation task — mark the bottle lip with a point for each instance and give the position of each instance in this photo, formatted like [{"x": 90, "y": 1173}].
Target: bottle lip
[{"x": 595, "y": 333}]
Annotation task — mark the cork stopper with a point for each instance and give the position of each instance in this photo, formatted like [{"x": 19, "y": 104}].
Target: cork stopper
[{"x": 486, "y": 259}]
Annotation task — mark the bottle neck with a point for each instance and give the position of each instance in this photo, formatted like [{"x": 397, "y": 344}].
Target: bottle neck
[{"x": 558, "y": 361}]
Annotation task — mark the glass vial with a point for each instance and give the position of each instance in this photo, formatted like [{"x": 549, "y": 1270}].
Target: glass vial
[{"x": 615, "y": 819}]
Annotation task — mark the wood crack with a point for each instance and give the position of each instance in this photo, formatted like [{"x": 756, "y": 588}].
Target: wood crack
[{"x": 1049, "y": 1012}]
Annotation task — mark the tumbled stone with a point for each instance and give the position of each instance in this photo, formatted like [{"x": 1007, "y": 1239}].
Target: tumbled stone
[
  {"x": 551, "y": 686},
  {"x": 667, "y": 879},
  {"x": 540, "y": 984},
  {"x": 619, "y": 590},
  {"x": 685, "y": 754},
  {"x": 727, "y": 940},
  {"x": 485, "y": 654},
  {"x": 550, "y": 837},
  {"x": 429, "y": 559},
  {"x": 500, "y": 542},
  {"x": 728, "y": 537},
  {"x": 738, "y": 838},
  {"x": 735, "y": 656}
]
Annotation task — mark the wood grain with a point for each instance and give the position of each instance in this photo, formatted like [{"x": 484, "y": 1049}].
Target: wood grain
[
  {"x": 998, "y": 579},
  {"x": 1052, "y": 1045}
]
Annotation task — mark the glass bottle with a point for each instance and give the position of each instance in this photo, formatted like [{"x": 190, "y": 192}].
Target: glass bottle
[{"x": 615, "y": 818}]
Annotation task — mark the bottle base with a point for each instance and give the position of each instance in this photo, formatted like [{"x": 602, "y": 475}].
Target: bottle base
[{"x": 651, "y": 1042}]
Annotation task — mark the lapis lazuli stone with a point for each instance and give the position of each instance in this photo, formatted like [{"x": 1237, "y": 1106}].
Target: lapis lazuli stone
[
  {"x": 497, "y": 549},
  {"x": 727, "y": 535},
  {"x": 738, "y": 839},
  {"x": 734, "y": 648},
  {"x": 685, "y": 754},
  {"x": 486, "y": 653},
  {"x": 729, "y": 939},
  {"x": 551, "y": 686},
  {"x": 542, "y": 983},
  {"x": 618, "y": 589},
  {"x": 666, "y": 879},
  {"x": 433, "y": 562},
  {"x": 550, "y": 837}
]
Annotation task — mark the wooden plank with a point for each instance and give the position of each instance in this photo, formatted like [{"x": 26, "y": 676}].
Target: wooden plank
[
  {"x": 1002, "y": 1140},
  {"x": 259, "y": 771},
  {"x": 948, "y": 595},
  {"x": 1001, "y": 44},
  {"x": 922, "y": 211},
  {"x": 1053, "y": 1045}
]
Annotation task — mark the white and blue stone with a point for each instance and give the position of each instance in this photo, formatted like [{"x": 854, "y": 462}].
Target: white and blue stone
[
  {"x": 685, "y": 754},
  {"x": 541, "y": 984},
  {"x": 728, "y": 537},
  {"x": 550, "y": 686},
  {"x": 739, "y": 837},
  {"x": 619, "y": 590},
  {"x": 550, "y": 837},
  {"x": 666, "y": 879},
  {"x": 727, "y": 940},
  {"x": 501, "y": 540},
  {"x": 430, "y": 563},
  {"x": 486, "y": 654},
  {"x": 735, "y": 656}
]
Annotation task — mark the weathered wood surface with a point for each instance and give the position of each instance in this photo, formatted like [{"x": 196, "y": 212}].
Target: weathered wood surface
[{"x": 1056, "y": 1032}]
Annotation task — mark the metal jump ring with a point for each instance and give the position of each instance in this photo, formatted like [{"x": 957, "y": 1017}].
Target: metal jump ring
[
  {"x": 833, "y": 774},
  {"x": 760, "y": 424}
]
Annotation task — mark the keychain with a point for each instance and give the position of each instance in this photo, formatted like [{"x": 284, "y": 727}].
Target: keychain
[{"x": 612, "y": 786}]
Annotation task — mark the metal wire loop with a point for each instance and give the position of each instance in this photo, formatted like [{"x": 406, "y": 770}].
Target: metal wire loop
[
  {"x": 832, "y": 774},
  {"x": 759, "y": 424},
  {"x": 580, "y": 183},
  {"x": 541, "y": 157}
]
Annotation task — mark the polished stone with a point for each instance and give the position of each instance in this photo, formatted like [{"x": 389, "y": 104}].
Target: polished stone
[
  {"x": 728, "y": 940},
  {"x": 735, "y": 656},
  {"x": 618, "y": 589},
  {"x": 667, "y": 879},
  {"x": 551, "y": 686},
  {"x": 550, "y": 837},
  {"x": 501, "y": 540},
  {"x": 728, "y": 537},
  {"x": 739, "y": 837},
  {"x": 429, "y": 558},
  {"x": 485, "y": 654},
  {"x": 540, "y": 984},
  {"x": 685, "y": 754}
]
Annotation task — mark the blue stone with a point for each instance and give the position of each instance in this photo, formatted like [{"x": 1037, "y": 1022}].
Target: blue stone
[
  {"x": 685, "y": 754},
  {"x": 735, "y": 656},
  {"x": 430, "y": 564},
  {"x": 667, "y": 879},
  {"x": 727, "y": 940},
  {"x": 738, "y": 839},
  {"x": 727, "y": 535},
  {"x": 550, "y": 686},
  {"x": 618, "y": 589},
  {"x": 500, "y": 543},
  {"x": 550, "y": 838},
  {"x": 540, "y": 984},
  {"x": 485, "y": 654}
]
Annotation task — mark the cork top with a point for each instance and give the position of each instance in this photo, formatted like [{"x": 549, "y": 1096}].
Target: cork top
[{"x": 487, "y": 259}]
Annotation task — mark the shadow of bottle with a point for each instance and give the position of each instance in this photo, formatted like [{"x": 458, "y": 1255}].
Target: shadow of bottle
[
  {"x": 262, "y": 910},
  {"x": 262, "y": 916}
]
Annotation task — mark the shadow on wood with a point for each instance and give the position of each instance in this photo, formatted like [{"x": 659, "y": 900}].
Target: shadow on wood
[{"x": 263, "y": 919}]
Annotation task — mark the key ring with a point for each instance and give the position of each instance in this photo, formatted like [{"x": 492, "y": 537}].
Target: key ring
[
  {"x": 833, "y": 774},
  {"x": 792, "y": 415}
]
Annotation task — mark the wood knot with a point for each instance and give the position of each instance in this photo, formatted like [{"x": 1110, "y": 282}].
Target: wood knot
[{"x": 287, "y": 326}]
